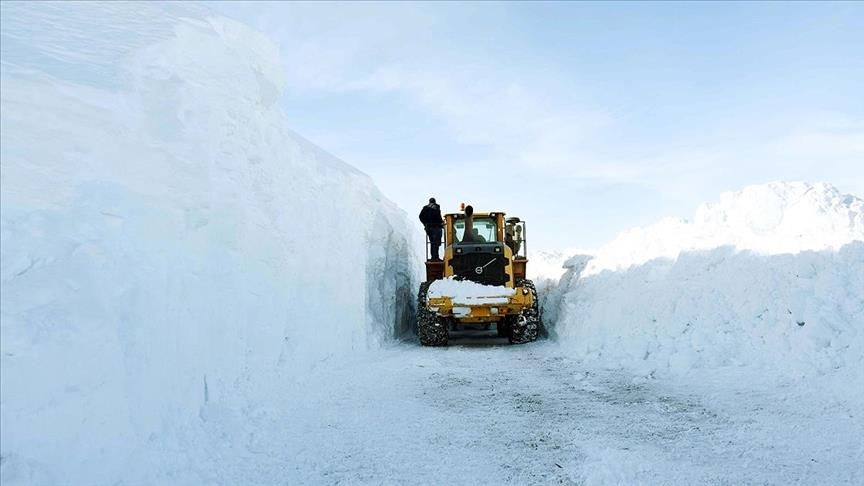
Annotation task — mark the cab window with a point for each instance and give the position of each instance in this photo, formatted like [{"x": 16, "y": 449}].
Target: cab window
[{"x": 485, "y": 230}]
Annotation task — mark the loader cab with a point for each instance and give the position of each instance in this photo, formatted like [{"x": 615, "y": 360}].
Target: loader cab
[
  {"x": 488, "y": 228},
  {"x": 495, "y": 253}
]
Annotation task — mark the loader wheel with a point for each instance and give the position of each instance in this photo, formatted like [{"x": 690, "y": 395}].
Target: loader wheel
[
  {"x": 525, "y": 327},
  {"x": 431, "y": 329}
]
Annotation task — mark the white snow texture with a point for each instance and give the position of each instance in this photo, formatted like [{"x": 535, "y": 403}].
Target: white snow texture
[
  {"x": 169, "y": 248},
  {"x": 466, "y": 292},
  {"x": 173, "y": 255},
  {"x": 771, "y": 276}
]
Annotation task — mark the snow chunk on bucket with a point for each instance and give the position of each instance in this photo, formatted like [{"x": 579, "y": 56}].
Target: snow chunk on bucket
[{"x": 466, "y": 292}]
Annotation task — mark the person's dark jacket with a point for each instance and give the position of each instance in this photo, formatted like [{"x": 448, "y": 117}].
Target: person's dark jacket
[{"x": 430, "y": 216}]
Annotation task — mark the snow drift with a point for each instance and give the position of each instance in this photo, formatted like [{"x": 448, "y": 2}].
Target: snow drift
[
  {"x": 771, "y": 276},
  {"x": 466, "y": 292},
  {"x": 170, "y": 250}
]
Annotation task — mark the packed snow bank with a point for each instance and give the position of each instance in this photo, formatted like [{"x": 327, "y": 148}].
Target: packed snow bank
[
  {"x": 550, "y": 265},
  {"x": 171, "y": 252},
  {"x": 772, "y": 276},
  {"x": 466, "y": 292}
]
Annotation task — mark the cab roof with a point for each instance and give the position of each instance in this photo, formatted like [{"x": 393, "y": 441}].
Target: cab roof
[{"x": 477, "y": 214}]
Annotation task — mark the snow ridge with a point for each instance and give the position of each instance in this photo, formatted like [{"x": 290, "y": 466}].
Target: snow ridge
[
  {"x": 773, "y": 218},
  {"x": 770, "y": 276}
]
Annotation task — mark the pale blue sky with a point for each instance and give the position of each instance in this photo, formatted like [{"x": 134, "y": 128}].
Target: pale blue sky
[{"x": 584, "y": 118}]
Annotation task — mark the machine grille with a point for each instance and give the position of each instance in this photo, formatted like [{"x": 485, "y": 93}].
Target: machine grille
[{"x": 481, "y": 265}]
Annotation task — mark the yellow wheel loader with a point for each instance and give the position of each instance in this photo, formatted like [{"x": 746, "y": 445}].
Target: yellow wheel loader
[{"x": 487, "y": 249}]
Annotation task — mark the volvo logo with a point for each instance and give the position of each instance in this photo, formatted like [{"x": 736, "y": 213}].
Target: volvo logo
[{"x": 479, "y": 270}]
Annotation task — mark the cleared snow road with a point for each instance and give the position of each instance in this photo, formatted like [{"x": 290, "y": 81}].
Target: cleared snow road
[{"x": 484, "y": 412}]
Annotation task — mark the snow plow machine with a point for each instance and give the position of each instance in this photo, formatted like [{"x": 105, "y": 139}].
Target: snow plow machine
[{"x": 480, "y": 281}]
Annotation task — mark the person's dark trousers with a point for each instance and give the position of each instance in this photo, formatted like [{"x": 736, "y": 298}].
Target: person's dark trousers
[{"x": 434, "y": 234}]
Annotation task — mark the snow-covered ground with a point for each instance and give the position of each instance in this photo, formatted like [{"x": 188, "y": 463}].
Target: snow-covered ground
[
  {"x": 485, "y": 412},
  {"x": 192, "y": 293},
  {"x": 762, "y": 295}
]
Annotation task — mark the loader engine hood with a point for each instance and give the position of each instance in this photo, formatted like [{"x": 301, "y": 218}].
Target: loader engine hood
[{"x": 483, "y": 263}]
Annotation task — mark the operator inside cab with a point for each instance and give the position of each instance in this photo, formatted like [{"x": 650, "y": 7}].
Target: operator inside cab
[{"x": 475, "y": 230}]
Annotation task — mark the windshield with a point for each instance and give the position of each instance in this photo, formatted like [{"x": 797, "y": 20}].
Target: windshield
[{"x": 485, "y": 230}]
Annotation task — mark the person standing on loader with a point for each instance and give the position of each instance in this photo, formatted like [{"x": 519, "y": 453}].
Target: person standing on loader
[
  {"x": 513, "y": 238},
  {"x": 433, "y": 223}
]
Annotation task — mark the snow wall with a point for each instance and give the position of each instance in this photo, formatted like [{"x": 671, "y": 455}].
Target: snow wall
[
  {"x": 171, "y": 251},
  {"x": 771, "y": 277}
]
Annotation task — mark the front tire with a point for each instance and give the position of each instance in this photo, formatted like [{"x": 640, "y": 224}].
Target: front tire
[{"x": 526, "y": 326}]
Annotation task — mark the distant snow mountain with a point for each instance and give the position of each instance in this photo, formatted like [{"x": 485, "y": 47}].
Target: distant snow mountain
[{"x": 773, "y": 218}]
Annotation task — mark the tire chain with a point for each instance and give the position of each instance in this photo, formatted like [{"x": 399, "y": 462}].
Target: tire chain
[
  {"x": 526, "y": 327},
  {"x": 430, "y": 328}
]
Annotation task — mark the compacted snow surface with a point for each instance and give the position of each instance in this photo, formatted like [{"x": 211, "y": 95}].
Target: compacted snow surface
[
  {"x": 484, "y": 412},
  {"x": 193, "y": 294}
]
